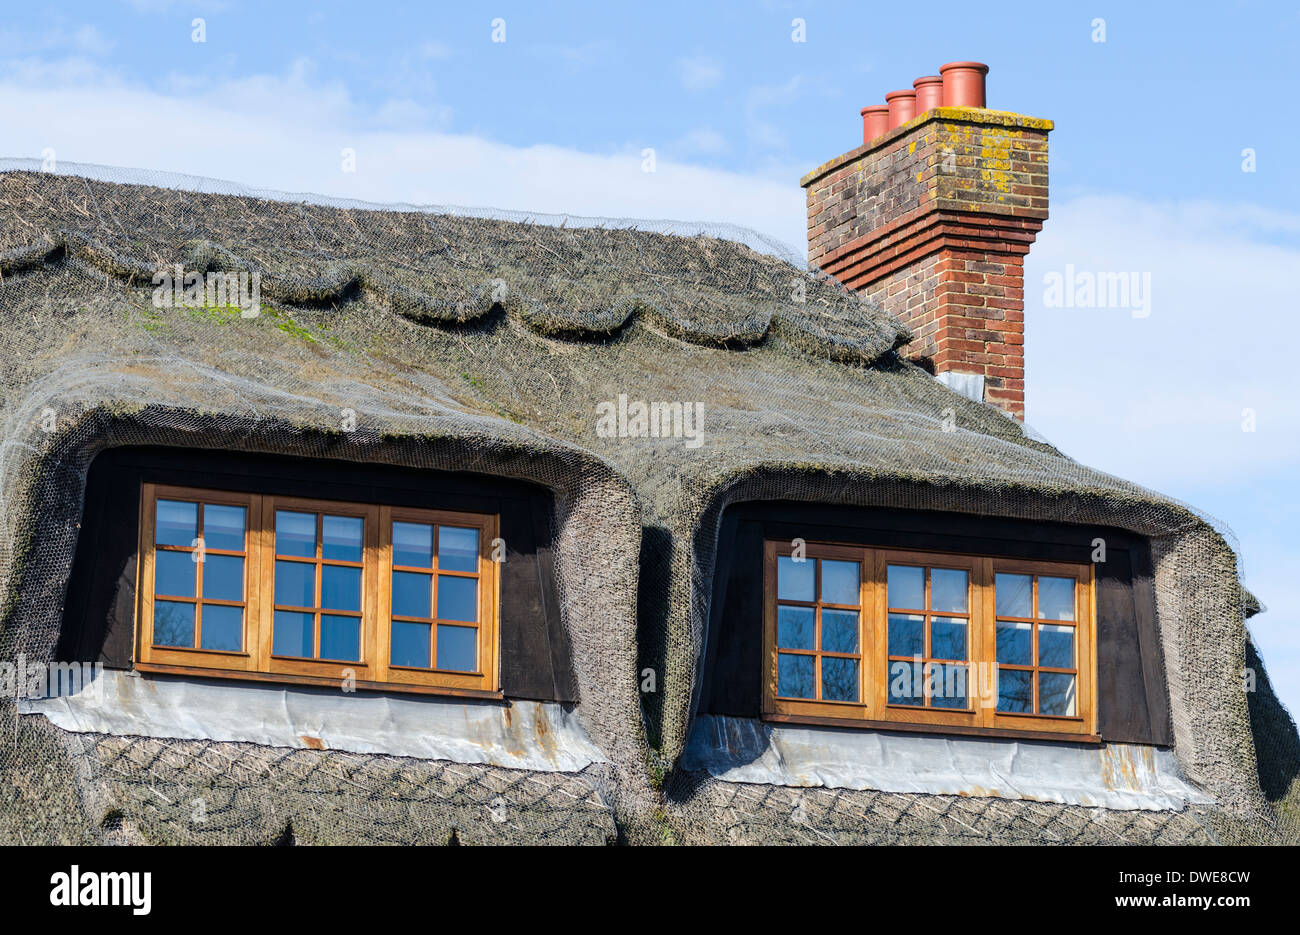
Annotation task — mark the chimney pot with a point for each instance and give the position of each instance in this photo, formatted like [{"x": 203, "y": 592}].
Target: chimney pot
[
  {"x": 963, "y": 84},
  {"x": 929, "y": 93},
  {"x": 875, "y": 122},
  {"x": 902, "y": 107}
]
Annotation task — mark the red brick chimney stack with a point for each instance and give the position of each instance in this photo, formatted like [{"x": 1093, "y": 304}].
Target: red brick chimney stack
[{"x": 932, "y": 219}]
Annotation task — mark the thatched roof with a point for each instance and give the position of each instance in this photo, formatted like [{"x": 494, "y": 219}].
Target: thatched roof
[
  {"x": 401, "y": 317},
  {"x": 443, "y": 269}
]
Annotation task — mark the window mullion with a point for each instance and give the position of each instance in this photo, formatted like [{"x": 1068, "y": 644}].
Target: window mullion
[
  {"x": 253, "y": 581},
  {"x": 266, "y": 614},
  {"x": 874, "y": 609},
  {"x": 985, "y": 632},
  {"x": 377, "y": 629}
]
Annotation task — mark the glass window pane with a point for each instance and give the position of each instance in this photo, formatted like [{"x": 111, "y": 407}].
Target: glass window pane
[
  {"x": 1055, "y": 646},
  {"x": 223, "y": 527},
  {"x": 457, "y": 549},
  {"x": 795, "y": 627},
  {"x": 794, "y": 676},
  {"x": 295, "y": 533},
  {"x": 841, "y": 583},
  {"x": 457, "y": 598},
  {"x": 906, "y": 635},
  {"x": 1014, "y": 691},
  {"x": 907, "y": 587},
  {"x": 839, "y": 631},
  {"x": 906, "y": 683},
  {"x": 341, "y": 538},
  {"x": 411, "y": 644},
  {"x": 948, "y": 590},
  {"x": 173, "y": 624},
  {"x": 340, "y": 587},
  {"x": 839, "y": 679},
  {"x": 413, "y": 544},
  {"x": 948, "y": 687},
  {"x": 340, "y": 638},
  {"x": 1056, "y": 694},
  {"x": 1014, "y": 595},
  {"x": 796, "y": 581},
  {"x": 177, "y": 523},
  {"x": 295, "y": 583},
  {"x": 293, "y": 634},
  {"x": 223, "y": 580},
  {"x": 174, "y": 573},
  {"x": 412, "y": 594},
  {"x": 457, "y": 648},
  {"x": 1015, "y": 643},
  {"x": 948, "y": 638},
  {"x": 223, "y": 628},
  {"x": 1055, "y": 598}
]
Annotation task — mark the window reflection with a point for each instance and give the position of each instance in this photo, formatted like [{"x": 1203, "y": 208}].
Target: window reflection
[
  {"x": 827, "y": 632},
  {"x": 198, "y": 575},
  {"x": 430, "y": 609},
  {"x": 932, "y": 638},
  {"x": 1029, "y": 650}
]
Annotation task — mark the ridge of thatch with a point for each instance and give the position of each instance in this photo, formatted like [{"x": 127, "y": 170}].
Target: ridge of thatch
[{"x": 443, "y": 269}]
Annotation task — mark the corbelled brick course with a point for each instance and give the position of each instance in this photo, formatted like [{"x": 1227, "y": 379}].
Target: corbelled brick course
[{"x": 933, "y": 222}]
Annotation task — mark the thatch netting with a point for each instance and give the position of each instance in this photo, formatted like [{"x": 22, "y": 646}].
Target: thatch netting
[{"x": 484, "y": 344}]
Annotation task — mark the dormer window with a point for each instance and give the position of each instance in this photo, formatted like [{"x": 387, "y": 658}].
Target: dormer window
[
  {"x": 316, "y": 591},
  {"x": 902, "y": 637}
]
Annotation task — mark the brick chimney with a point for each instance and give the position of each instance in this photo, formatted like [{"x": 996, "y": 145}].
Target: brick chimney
[{"x": 932, "y": 219}]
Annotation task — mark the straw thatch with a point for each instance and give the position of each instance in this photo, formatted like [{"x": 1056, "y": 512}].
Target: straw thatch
[{"x": 482, "y": 344}]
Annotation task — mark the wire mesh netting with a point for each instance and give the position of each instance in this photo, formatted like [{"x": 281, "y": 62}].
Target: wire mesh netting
[{"x": 461, "y": 340}]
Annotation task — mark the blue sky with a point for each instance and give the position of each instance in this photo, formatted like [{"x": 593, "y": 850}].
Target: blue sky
[{"x": 1146, "y": 169}]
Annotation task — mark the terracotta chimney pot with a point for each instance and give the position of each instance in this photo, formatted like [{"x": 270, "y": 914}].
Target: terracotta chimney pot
[
  {"x": 875, "y": 122},
  {"x": 963, "y": 84},
  {"x": 929, "y": 93},
  {"x": 902, "y": 107}
]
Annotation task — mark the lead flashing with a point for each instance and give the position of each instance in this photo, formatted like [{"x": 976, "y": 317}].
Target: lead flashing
[
  {"x": 533, "y": 735},
  {"x": 1115, "y": 776}
]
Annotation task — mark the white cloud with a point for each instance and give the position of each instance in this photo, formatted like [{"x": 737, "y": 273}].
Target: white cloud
[
  {"x": 434, "y": 49},
  {"x": 91, "y": 41},
  {"x": 699, "y": 72},
  {"x": 285, "y": 131},
  {"x": 1163, "y": 396},
  {"x": 82, "y": 40},
  {"x": 404, "y": 112},
  {"x": 703, "y": 141},
  {"x": 153, "y": 7},
  {"x": 576, "y": 57},
  {"x": 763, "y": 131}
]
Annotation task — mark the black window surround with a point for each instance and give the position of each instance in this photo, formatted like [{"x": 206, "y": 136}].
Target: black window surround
[
  {"x": 99, "y": 614},
  {"x": 1132, "y": 699}
]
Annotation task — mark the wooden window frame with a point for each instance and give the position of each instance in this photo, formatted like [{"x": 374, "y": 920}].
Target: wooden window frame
[
  {"x": 873, "y": 709},
  {"x": 149, "y": 654},
  {"x": 370, "y": 667},
  {"x": 488, "y": 639},
  {"x": 256, "y": 661}
]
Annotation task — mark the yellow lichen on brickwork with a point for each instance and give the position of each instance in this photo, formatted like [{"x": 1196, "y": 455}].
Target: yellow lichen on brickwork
[
  {"x": 954, "y": 124},
  {"x": 995, "y": 157}
]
